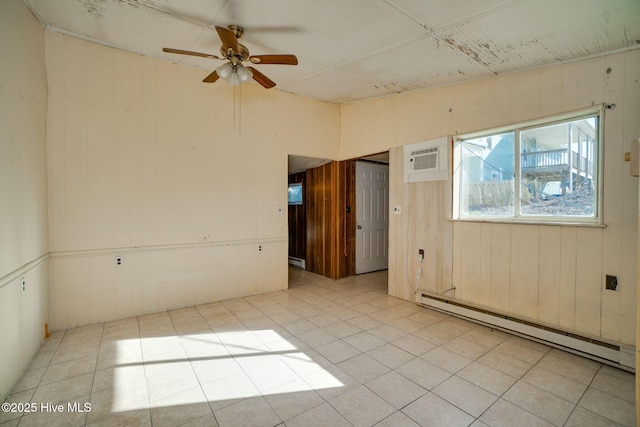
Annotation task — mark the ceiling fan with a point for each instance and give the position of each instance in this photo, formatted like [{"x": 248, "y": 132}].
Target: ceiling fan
[{"x": 235, "y": 53}]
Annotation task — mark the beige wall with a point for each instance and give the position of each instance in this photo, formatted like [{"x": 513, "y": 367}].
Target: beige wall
[
  {"x": 551, "y": 274},
  {"x": 23, "y": 191},
  {"x": 182, "y": 179}
]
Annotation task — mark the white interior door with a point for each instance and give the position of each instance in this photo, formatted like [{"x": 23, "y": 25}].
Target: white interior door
[{"x": 372, "y": 217}]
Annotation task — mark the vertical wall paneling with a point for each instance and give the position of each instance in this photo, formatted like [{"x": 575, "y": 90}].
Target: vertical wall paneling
[
  {"x": 553, "y": 274},
  {"x": 181, "y": 179},
  {"x": 24, "y": 229},
  {"x": 549, "y": 275}
]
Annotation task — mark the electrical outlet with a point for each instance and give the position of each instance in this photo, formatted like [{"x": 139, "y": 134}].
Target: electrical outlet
[
  {"x": 421, "y": 253},
  {"x": 259, "y": 248},
  {"x": 23, "y": 284},
  {"x": 119, "y": 261},
  {"x": 611, "y": 282}
]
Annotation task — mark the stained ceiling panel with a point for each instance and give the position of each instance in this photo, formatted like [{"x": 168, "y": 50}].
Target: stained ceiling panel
[
  {"x": 356, "y": 49},
  {"x": 530, "y": 34},
  {"x": 421, "y": 63}
]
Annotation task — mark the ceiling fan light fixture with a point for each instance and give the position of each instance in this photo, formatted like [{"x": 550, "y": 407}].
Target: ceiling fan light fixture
[
  {"x": 244, "y": 74},
  {"x": 225, "y": 70}
]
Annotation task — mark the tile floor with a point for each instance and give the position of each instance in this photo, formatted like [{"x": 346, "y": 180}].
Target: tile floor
[{"x": 321, "y": 353}]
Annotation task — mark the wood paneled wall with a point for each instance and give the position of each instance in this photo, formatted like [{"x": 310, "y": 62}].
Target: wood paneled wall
[
  {"x": 298, "y": 220},
  {"x": 330, "y": 228}
]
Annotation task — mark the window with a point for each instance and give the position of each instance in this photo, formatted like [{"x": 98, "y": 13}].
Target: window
[
  {"x": 543, "y": 171},
  {"x": 294, "y": 194}
]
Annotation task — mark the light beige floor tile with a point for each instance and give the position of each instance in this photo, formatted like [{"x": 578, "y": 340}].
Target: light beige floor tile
[
  {"x": 504, "y": 363},
  {"x": 65, "y": 391},
  {"x": 387, "y": 333},
  {"x": 228, "y": 390},
  {"x": 522, "y": 349},
  {"x": 396, "y": 389},
  {"x": 44, "y": 419},
  {"x": 414, "y": 345},
  {"x": 331, "y": 382},
  {"x": 620, "y": 384},
  {"x": 489, "y": 379},
  {"x": 466, "y": 348},
  {"x": 252, "y": 412},
  {"x": 317, "y": 338},
  {"x": 30, "y": 379},
  {"x": 271, "y": 375},
  {"x": 581, "y": 417},
  {"x": 179, "y": 408},
  {"x": 454, "y": 325},
  {"x": 338, "y": 351},
  {"x": 390, "y": 355},
  {"x": 363, "y": 368},
  {"x": 485, "y": 336},
  {"x": 506, "y": 414},
  {"x": 364, "y": 341},
  {"x": 342, "y": 329},
  {"x": 207, "y": 421},
  {"x": 168, "y": 378},
  {"x": 432, "y": 410},
  {"x": 69, "y": 369},
  {"x": 539, "y": 402},
  {"x": 119, "y": 404},
  {"x": 320, "y": 416},
  {"x": 427, "y": 316},
  {"x": 423, "y": 373},
  {"x": 570, "y": 366},
  {"x": 293, "y": 399},
  {"x": 397, "y": 419},
  {"x": 23, "y": 397},
  {"x": 362, "y": 407},
  {"x": 608, "y": 406},
  {"x": 365, "y": 322},
  {"x": 434, "y": 335},
  {"x": 446, "y": 359},
  {"x": 557, "y": 384},
  {"x": 465, "y": 395},
  {"x": 304, "y": 362},
  {"x": 214, "y": 368}
]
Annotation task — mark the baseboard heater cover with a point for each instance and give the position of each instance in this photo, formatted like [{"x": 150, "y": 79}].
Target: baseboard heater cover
[
  {"x": 617, "y": 355},
  {"x": 297, "y": 262}
]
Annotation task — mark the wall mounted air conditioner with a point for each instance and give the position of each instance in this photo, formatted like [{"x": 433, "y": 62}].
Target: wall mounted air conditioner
[{"x": 426, "y": 160}]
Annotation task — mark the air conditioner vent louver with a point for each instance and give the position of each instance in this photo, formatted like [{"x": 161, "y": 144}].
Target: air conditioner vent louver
[{"x": 425, "y": 159}]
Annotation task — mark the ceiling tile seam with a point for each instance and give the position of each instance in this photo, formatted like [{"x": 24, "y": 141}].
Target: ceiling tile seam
[
  {"x": 396, "y": 10},
  {"x": 384, "y": 49},
  {"x": 391, "y": 4},
  {"x": 210, "y": 20}
]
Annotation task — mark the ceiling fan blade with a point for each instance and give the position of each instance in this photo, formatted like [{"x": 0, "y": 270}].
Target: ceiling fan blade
[
  {"x": 211, "y": 77},
  {"x": 262, "y": 79},
  {"x": 188, "y": 52},
  {"x": 274, "y": 59},
  {"x": 228, "y": 38}
]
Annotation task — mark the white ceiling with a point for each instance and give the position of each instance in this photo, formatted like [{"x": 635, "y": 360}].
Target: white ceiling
[{"x": 357, "y": 49}]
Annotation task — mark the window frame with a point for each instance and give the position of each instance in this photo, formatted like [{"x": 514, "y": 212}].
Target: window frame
[{"x": 518, "y": 218}]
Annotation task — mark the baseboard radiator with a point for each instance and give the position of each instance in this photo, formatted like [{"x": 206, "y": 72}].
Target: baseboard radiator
[
  {"x": 297, "y": 262},
  {"x": 617, "y": 355}
]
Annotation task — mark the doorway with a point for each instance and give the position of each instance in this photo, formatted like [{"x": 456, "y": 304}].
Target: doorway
[{"x": 372, "y": 216}]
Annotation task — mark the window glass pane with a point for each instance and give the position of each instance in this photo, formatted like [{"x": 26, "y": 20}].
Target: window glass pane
[
  {"x": 557, "y": 169},
  {"x": 487, "y": 171},
  {"x": 294, "y": 194}
]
